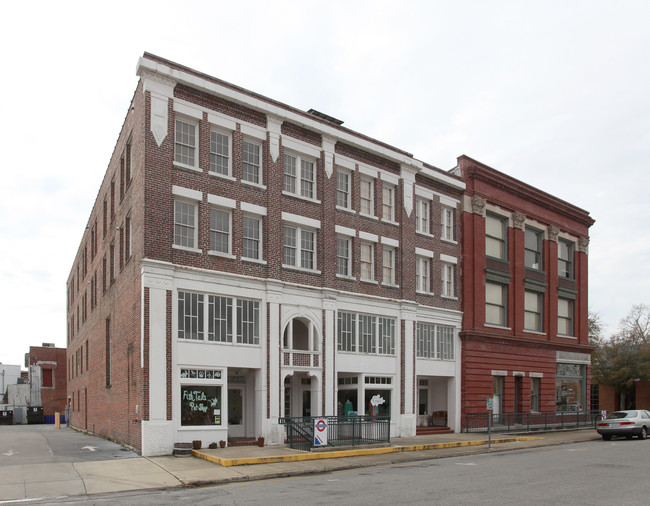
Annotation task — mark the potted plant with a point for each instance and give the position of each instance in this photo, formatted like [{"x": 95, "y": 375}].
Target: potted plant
[
  {"x": 196, "y": 444},
  {"x": 260, "y": 441},
  {"x": 213, "y": 446},
  {"x": 222, "y": 443}
]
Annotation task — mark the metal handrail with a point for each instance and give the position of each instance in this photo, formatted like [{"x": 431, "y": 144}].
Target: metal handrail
[{"x": 529, "y": 422}]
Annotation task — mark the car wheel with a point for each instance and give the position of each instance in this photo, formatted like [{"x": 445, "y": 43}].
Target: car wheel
[
  {"x": 644, "y": 433},
  {"x": 606, "y": 437}
]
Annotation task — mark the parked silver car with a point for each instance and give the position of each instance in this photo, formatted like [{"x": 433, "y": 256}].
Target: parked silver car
[{"x": 633, "y": 422}]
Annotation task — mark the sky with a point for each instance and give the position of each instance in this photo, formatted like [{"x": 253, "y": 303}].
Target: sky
[{"x": 554, "y": 93}]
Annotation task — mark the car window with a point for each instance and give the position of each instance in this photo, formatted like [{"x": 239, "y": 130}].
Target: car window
[
  {"x": 644, "y": 414},
  {"x": 622, "y": 414}
]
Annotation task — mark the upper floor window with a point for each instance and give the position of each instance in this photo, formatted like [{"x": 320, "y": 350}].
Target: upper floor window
[
  {"x": 365, "y": 333},
  {"x": 496, "y": 296},
  {"x": 533, "y": 247},
  {"x": 185, "y": 145},
  {"x": 448, "y": 280},
  {"x": 434, "y": 341},
  {"x": 565, "y": 317},
  {"x": 220, "y": 153},
  {"x": 447, "y": 219},
  {"x": 299, "y": 247},
  {"x": 388, "y": 202},
  {"x": 252, "y": 238},
  {"x": 220, "y": 230},
  {"x": 185, "y": 219},
  {"x": 495, "y": 237},
  {"x": 388, "y": 265},
  {"x": 343, "y": 189},
  {"x": 367, "y": 261},
  {"x": 423, "y": 274},
  {"x": 252, "y": 169},
  {"x": 299, "y": 176},
  {"x": 533, "y": 311},
  {"x": 565, "y": 259},
  {"x": 422, "y": 211},
  {"x": 367, "y": 202},
  {"x": 343, "y": 256}
]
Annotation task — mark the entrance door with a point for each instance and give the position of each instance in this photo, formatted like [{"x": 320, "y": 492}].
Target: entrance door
[
  {"x": 518, "y": 399},
  {"x": 306, "y": 403},
  {"x": 236, "y": 426}
]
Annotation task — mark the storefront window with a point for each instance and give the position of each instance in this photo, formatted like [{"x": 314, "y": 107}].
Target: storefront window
[
  {"x": 570, "y": 387},
  {"x": 200, "y": 405}
]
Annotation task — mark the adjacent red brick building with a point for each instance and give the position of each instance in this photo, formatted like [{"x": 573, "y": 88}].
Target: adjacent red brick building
[
  {"x": 52, "y": 374},
  {"x": 524, "y": 290}
]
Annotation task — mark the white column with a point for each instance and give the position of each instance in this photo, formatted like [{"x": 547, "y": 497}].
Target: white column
[{"x": 327, "y": 356}]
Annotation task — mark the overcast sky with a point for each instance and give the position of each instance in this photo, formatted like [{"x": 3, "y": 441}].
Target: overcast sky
[{"x": 555, "y": 93}]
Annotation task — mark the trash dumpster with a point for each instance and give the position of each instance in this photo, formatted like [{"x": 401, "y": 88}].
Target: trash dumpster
[
  {"x": 35, "y": 414},
  {"x": 6, "y": 417}
]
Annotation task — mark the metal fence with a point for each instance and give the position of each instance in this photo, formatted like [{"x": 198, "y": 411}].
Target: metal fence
[
  {"x": 341, "y": 431},
  {"x": 528, "y": 422}
]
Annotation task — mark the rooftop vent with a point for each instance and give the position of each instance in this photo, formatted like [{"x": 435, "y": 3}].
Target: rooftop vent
[
  {"x": 320, "y": 115},
  {"x": 48, "y": 345}
]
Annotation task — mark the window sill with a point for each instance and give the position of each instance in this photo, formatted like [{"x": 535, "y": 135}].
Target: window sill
[
  {"x": 425, "y": 234},
  {"x": 370, "y": 281},
  {"x": 346, "y": 210},
  {"x": 346, "y": 278},
  {"x": 390, "y": 285},
  {"x": 422, "y": 292},
  {"x": 449, "y": 297},
  {"x": 390, "y": 222},
  {"x": 493, "y": 326},
  {"x": 301, "y": 269},
  {"x": 179, "y": 165},
  {"x": 185, "y": 248},
  {"x": 567, "y": 337},
  {"x": 253, "y": 260},
  {"x": 535, "y": 332},
  {"x": 450, "y": 241},
  {"x": 222, "y": 176},
  {"x": 301, "y": 197},
  {"x": 221, "y": 254},
  {"x": 254, "y": 185},
  {"x": 364, "y": 215}
]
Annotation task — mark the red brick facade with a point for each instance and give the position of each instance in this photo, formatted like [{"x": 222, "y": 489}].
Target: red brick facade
[{"x": 52, "y": 362}]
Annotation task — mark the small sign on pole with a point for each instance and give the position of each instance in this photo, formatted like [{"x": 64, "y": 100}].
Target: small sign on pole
[
  {"x": 489, "y": 402},
  {"x": 320, "y": 431}
]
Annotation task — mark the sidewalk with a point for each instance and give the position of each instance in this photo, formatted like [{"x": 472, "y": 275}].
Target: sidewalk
[{"x": 236, "y": 464}]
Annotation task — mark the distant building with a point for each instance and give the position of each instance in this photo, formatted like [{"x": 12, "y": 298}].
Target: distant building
[
  {"x": 9, "y": 375},
  {"x": 47, "y": 369},
  {"x": 524, "y": 290},
  {"x": 246, "y": 260}
]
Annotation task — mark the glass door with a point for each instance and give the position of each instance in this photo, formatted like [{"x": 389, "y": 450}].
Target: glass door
[{"x": 236, "y": 412}]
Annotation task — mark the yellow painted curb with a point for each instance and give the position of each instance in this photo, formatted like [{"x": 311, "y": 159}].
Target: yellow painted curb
[{"x": 336, "y": 454}]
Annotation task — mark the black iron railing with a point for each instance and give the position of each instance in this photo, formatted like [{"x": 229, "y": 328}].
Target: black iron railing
[
  {"x": 341, "y": 431},
  {"x": 528, "y": 422}
]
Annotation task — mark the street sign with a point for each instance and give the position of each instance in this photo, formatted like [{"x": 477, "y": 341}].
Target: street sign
[
  {"x": 490, "y": 403},
  {"x": 320, "y": 431}
]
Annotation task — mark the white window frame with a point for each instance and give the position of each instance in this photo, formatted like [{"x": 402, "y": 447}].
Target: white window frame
[
  {"x": 569, "y": 317},
  {"x": 390, "y": 268},
  {"x": 380, "y": 336},
  {"x": 388, "y": 208},
  {"x": 194, "y": 226},
  {"x": 503, "y": 304},
  {"x": 214, "y": 153},
  {"x": 363, "y": 261},
  {"x": 228, "y": 212},
  {"x": 260, "y": 166},
  {"x": 538, "y": 235},
  {"x": 447, "y": 223},
  {"x": 298, "y": 248},
  {"x": 502, "y": 240},
  {"x": 367, "y": 182},
  {"x": 448, "y": 277},
  {"x": 423, "y": 216},
  {"x": 423, "y": 274},
  {"x": 298, "y": 177},
  {"x": 347, "y": 192},
  {"x": 536, "y": 312},
  {"x": 347, "y": 259},
  {"x": 194, "y": 147},
  {"x": 245, "y": 217},
  {"x": 566, "y": 261},
  {"x": 434, "y": 342}
]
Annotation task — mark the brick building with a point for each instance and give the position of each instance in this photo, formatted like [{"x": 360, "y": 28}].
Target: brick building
[
  {"x": 47, "y": 366},
  {"x": 245, "y": 260},
  {"x": 524, "y": 291}
]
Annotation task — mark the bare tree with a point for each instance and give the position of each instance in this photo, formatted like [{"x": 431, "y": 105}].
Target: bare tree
[{"x": 635, "y": 327}]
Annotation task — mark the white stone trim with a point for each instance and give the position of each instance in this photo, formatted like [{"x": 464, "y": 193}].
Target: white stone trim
[
  {"x": 301, "y": 146},
  {"x": 389, "y": 178},
  {"x": 421, "y": 252},
  {"x": 252, "y": 209},
  {"x": 496, "y": 372},
  {"x": 448, "y": 259},
  {"x": 222, "y": 121},
  {"x": 345, "y": 162},
  {"x": 350, "y": 232},
  {"x": 367, "y": 236},
  {"x": 159, "y": 116},
  {"x": 187, "y": 193},
  {"x": 536, "y": 374},
  {"x": 300, "y": 220},
  {"x": 448, "y": 201},
  {"x": 187, "y": 110},
  {"x": 220, "y": 201},
  {"x": 390, "y": 242},
  {"x": 424, "y": 193},
  {"x": 366, "y": 170},
  {"x": 254, "y": 131},
  {"x": 518, "y": 374}
]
